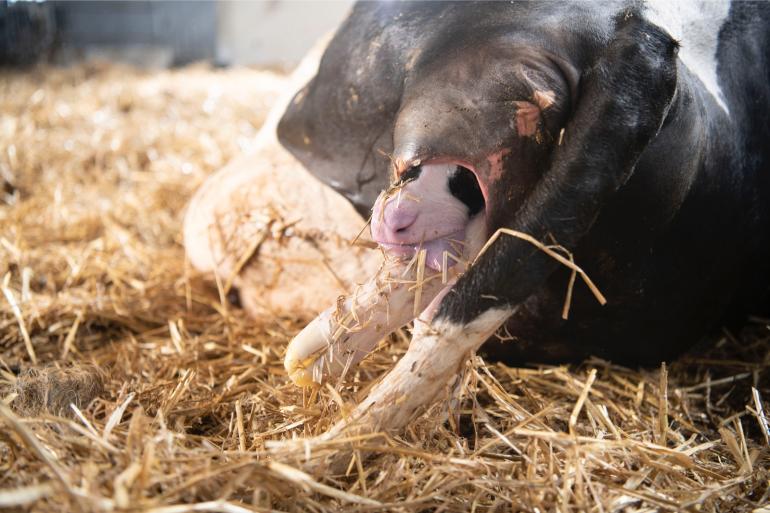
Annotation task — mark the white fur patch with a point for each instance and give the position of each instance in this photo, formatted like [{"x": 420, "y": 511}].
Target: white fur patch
[
  {"x": 470, "y": 336},
  {"x": 696, "y": 25}
]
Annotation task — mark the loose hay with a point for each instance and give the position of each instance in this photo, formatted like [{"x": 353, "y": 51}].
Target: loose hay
[
  {"x": 97, "y": 164},
  {"x": 53, "y": 390}
]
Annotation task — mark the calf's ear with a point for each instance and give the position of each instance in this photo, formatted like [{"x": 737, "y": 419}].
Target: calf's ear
[{"x": 623, "y": 102}]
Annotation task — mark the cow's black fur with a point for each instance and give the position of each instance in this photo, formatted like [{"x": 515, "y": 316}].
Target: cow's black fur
[{"x": 662, "y": 196}]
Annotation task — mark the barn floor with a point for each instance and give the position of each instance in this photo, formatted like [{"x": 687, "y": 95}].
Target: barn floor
[{"x": 180, "y": 398}]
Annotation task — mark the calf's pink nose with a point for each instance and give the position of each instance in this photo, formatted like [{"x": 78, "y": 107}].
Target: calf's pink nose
[{"x": 399, "y": 217}]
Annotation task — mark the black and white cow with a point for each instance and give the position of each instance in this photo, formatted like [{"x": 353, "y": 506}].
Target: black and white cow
[{"x": 635, "y": 134}]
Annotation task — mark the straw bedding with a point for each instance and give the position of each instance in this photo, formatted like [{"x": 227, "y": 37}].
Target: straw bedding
[{"x": 127, "y": 384}]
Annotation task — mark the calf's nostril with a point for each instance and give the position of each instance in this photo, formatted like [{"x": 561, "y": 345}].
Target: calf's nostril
[{"x": 398, "y": 220}]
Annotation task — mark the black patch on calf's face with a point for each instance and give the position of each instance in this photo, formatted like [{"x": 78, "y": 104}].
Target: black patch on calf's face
[{"x": 464, "y": 186}]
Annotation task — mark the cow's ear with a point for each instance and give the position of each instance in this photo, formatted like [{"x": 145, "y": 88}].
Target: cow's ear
[
  {"x": 623, "y": 102},
  {"x": 551, "y": 86}
]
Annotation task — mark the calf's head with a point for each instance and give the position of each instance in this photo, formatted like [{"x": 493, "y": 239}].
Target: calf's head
[{"x": 430, "y": 207}]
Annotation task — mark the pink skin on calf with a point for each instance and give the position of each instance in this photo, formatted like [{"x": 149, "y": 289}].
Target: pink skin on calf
[{"x": 422, "y": 214}]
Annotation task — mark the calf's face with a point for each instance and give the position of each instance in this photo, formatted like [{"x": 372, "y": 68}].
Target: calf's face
[{"x": 430, "y": 207}]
